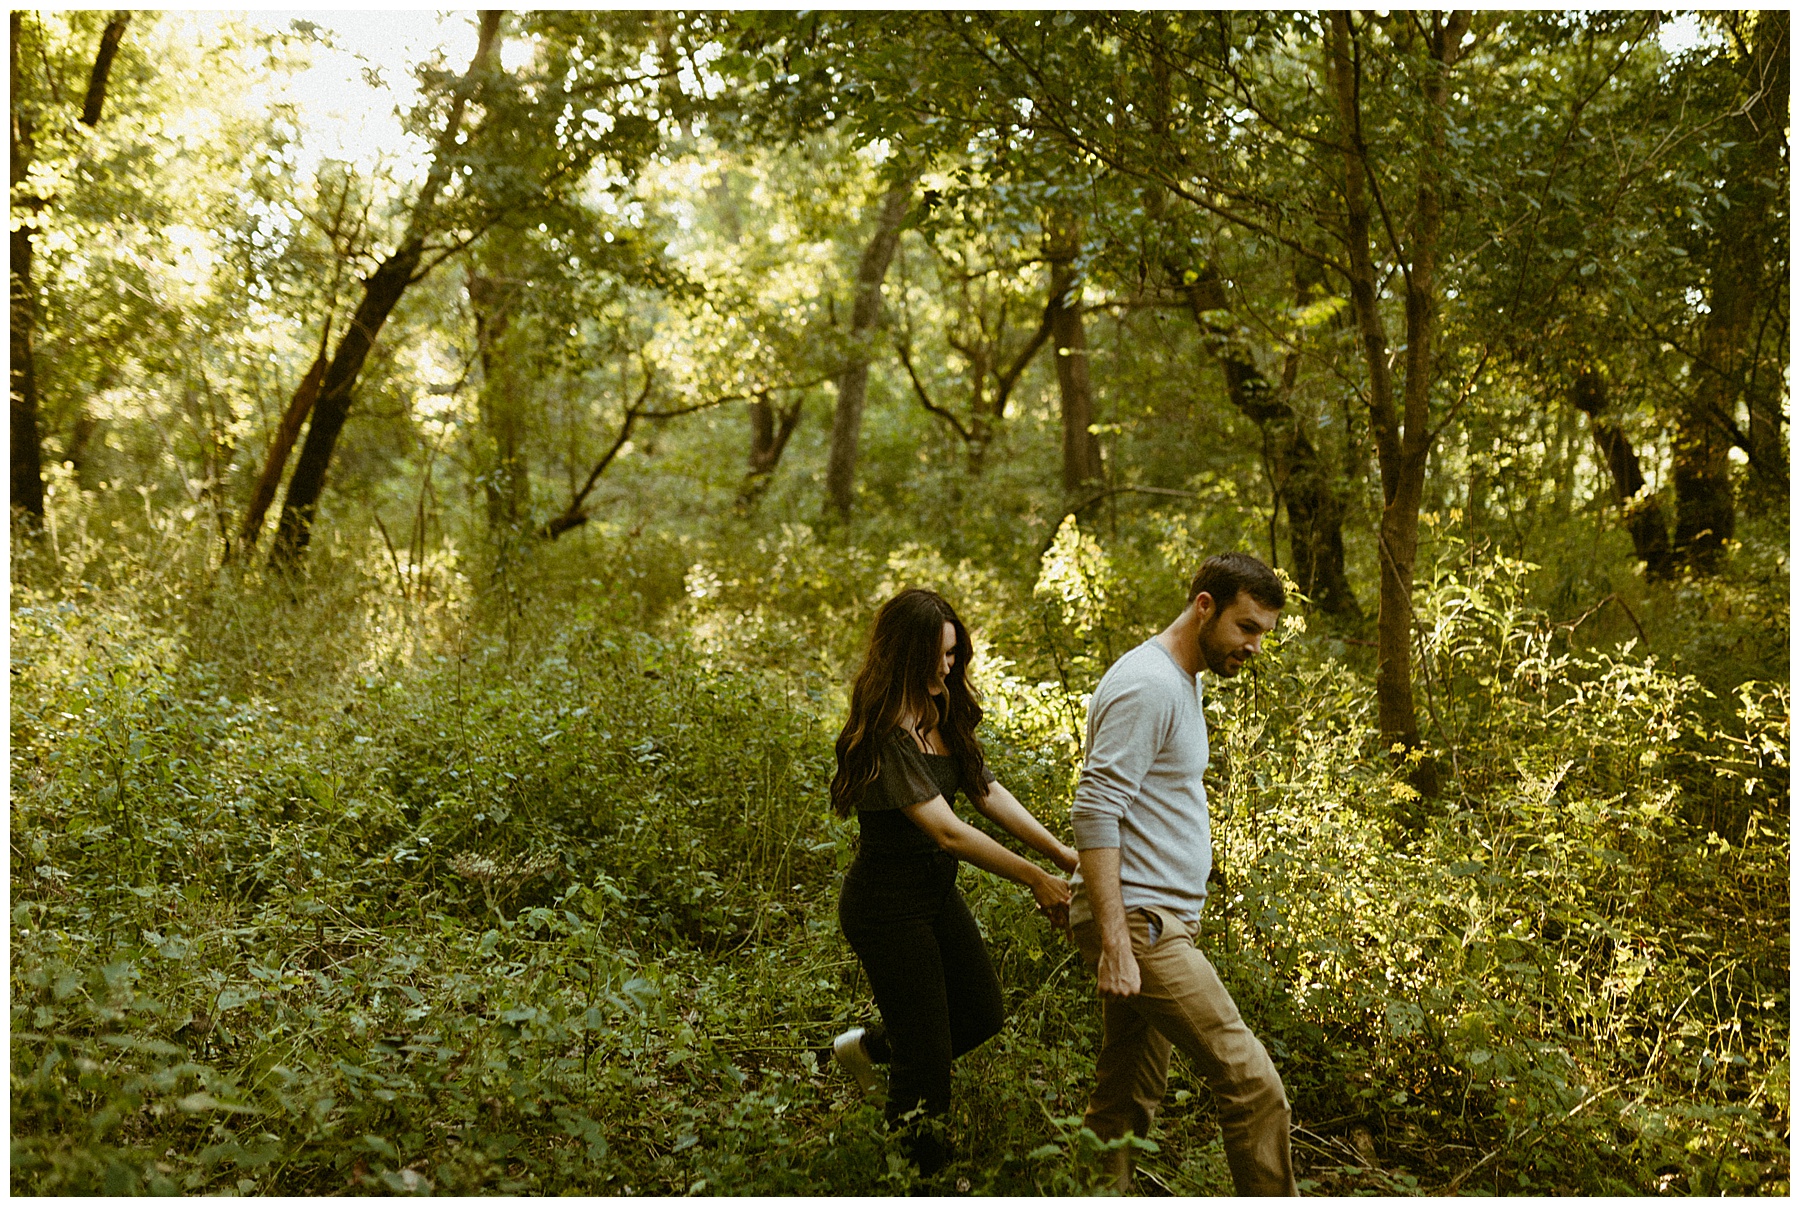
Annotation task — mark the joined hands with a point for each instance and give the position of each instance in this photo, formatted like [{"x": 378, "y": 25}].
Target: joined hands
[{"x": 1053, "y": 894}]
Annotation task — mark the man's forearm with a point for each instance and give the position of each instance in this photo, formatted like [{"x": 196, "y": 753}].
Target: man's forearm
[
  {"x": 1100, "y": 873},
  {"x": 1118, "y": 969}
]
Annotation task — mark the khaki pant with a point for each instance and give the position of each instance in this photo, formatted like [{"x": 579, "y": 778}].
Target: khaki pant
[{"x": 1184, "y": 1004}]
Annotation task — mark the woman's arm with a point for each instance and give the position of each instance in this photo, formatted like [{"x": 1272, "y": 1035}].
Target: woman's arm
[
  {"x": 1004, "y": 809},
  {"x": 964, "y": 841}
]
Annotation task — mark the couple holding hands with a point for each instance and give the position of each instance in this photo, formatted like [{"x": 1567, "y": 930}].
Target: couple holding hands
[{"x": 1144, "y": 852}]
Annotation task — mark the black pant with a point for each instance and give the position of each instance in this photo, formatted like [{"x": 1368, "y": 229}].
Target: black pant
[{"x": 929, "y": 971}]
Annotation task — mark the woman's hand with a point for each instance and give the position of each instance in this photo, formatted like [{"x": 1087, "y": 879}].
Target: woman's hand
[
  {"x": 1067, "y": 859},
  {"x": 1052, "y": 894}
]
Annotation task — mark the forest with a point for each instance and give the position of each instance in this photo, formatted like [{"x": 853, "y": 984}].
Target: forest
[{"x": 436, "y": 575}]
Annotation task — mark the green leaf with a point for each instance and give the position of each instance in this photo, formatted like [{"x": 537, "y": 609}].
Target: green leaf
[{"x": 202, "y": 1101}]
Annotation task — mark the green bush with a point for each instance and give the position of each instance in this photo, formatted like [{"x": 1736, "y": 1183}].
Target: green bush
[{"x": 530, "y": 887}]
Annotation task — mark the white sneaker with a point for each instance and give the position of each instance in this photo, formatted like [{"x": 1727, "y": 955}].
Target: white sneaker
[{"x": 852, "y": 1054}]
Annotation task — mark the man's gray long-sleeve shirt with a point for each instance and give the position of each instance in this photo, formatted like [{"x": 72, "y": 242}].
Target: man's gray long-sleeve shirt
[{"x": 1141, "y": 786}]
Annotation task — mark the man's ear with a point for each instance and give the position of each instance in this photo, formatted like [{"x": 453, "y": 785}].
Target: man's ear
[{"x": 1202, "y": 605}]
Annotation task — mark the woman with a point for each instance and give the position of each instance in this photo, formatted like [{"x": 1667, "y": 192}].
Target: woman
[{"x": 908, "y": 747}]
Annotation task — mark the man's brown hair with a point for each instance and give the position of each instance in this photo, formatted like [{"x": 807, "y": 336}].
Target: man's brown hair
[{"x": 1224, "y": 575}]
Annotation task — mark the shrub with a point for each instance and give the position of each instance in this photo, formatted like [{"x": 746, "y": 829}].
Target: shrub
[{"x": 329, "y": 889}]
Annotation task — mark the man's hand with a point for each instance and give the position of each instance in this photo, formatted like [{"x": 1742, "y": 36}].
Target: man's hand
[
  {"x": 1118, "y": 966},
  {"x": 1118, "y": 971}
]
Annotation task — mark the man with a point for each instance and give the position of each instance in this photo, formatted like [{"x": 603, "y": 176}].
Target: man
[{"x": 1145, "y": 844}]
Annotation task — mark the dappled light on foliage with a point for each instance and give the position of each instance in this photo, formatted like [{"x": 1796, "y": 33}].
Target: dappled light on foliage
[{"x": 467, "y": 830}]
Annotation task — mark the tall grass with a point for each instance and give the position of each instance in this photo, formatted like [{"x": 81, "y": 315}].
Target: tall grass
[{"x": 526, "y": 883}]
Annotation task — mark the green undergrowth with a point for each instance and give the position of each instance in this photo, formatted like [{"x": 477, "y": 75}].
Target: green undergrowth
[{"x": 528, "y": 885}]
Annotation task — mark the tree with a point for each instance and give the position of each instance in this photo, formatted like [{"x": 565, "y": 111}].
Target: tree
[
  {"x": 343, "y": 229},
  {"x": 1626, "y": 279},
  {"x": 1403, "y": 437},
  {"x": 28, "y": 113},
  {"x": 27, "y": 470},
  {"x": 381, "y": 292},
  {"x": 1744, "y": 292},
  {"x": 1143, "y": 96},
  {"x": 1080, "y": 449},
  {"x": 979, "y": 260},
  {"x": 771, "y": 425},
  {"x": 1395, "y": 152},
  {"x": 1303, "y": 480},
  {"x": 866, "y": 310}
]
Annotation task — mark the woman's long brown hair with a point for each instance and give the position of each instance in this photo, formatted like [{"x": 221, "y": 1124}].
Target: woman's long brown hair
[{"x": 905, "y": 643}]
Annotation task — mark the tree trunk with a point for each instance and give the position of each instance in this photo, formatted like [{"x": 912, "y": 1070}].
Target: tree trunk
[
  {"x": 103, "y": 60},
  {"x": 505, "y": 479},
  {"x": 381, "y": 292},
  {"x": 280, "y": 445},
  {"x": 1080, "y": 447},
  {"x": 80, "y": 438},
  {"x": 770, "y": 427},
  {"x": 1315, "y": 513},
  {"x": 1393, "y": 669},
  {"x": 1740, "y": 280},
  {"x": 1766, "y": 118},
  {"x": 853, "y": 383},
  {"x": 1402, "y": 440},
  {"x": 1705, "y": 510},
  {"x": 1768, "y": 446},
  {"x": 1642, "y": 511},
  {"x": 26, "y": 464}
]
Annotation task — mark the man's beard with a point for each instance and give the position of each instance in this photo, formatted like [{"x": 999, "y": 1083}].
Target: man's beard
[{"x": 1216, "y": 660}]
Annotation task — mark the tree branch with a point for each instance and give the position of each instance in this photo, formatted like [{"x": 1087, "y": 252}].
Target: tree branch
[
  {"x": 750, "y": 392},
  {"x": 573, "y": 515},
  {"x": 1119, "y": 164},
  {"x": 924, "y": 398},
  {"x": 1362, "y": 153},
  {"x": 1010, "y": 378},
  {"x": 1109, "y": 492},
  {"x": 103, "y": 60}
]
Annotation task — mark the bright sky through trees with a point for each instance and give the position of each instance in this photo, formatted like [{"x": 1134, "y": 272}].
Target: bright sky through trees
[{"x": 362, "y": 77}]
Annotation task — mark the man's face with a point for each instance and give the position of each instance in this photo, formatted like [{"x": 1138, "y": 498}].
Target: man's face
[{"x": 1231, "y": 637}]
